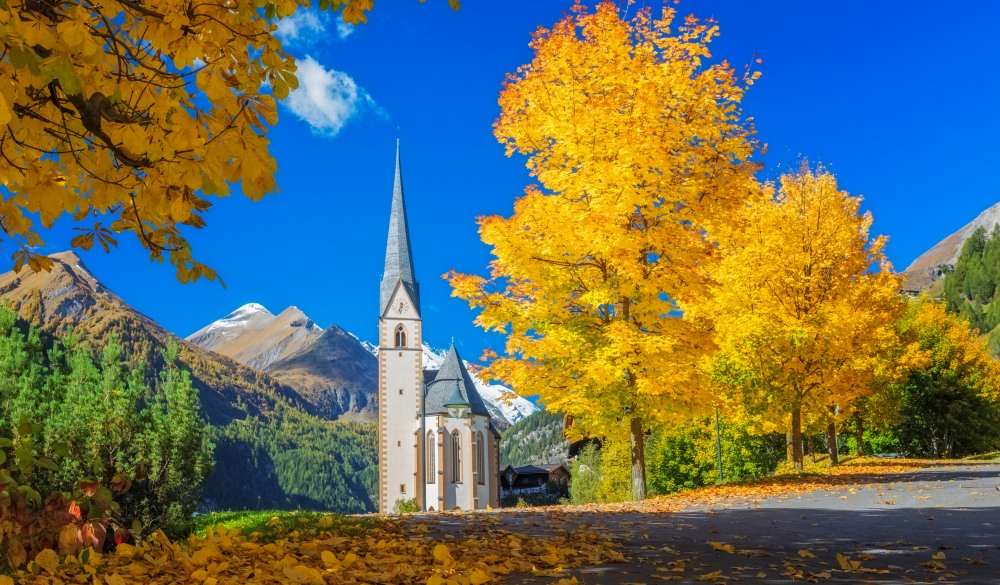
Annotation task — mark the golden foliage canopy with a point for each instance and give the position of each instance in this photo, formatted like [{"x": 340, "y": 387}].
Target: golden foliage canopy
[
  {"x": 948, "y": 342},
  {"x": 130, "y": 115},
  {"x": 638, "y": 145},
  {"x": 802, "y": 320}
]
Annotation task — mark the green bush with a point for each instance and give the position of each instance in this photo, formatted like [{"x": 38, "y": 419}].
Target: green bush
[
  {"x": 406, "y": 506},
  {"x": 685, "y": 457},
  {"x": 585, "y": 476},
  {"x": 147, "y": 440}
]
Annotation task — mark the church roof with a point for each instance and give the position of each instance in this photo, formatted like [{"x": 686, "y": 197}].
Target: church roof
[
  {"x": 398, "y": 256},
  {"x": 441, "y": 388}
]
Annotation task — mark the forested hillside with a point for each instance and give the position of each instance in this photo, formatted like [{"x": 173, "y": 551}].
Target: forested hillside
[
  {"x": 536, "y": 439},
  {"x": 971, "y": 288},
  {"x": 271, "y": 448}
]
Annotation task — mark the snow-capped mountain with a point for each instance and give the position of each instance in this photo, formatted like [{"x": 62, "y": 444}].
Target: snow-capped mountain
[
  {"x": 331, "y": 368},
  {"x": 502, "y": 402},
  {"x": 253, "y": 335},
  {"x": 328, "y": 367}
]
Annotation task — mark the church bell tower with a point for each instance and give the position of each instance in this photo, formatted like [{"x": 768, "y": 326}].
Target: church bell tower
[{"x": 400, "y": 365}]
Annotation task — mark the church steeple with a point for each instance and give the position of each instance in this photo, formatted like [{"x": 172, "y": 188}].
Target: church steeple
[{"x": 398, "y": 257}]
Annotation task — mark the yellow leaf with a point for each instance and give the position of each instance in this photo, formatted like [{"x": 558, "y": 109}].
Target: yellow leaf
[
  {"x": 806, "y": 554},
  {"x": 938, "y": 556},
  {"x": 5, "y": 580},
  {"x": 4, "y": 111},
  {"x": 115, "y": 579},
  {"x": 442, "y": 555},
  {"x": 478, "y": 577},
  {"x": 48, "y": 560},
  {"x": 305, "y": 575},
  {"x": 844, "y": 562},
  {"x": 723, "y": 547},
  {"x": 329, "y": 559}
]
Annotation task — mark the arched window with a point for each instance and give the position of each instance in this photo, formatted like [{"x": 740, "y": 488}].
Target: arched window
[
  {"x": 456, "y": 457},
  {"x": 400, "y": 336},
  {"x": 480, "y": 459},
  {"x": 431, "y": 446}
]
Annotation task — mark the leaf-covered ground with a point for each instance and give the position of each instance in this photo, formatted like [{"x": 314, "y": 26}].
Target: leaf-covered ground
[{"x": 864, "y": 521}]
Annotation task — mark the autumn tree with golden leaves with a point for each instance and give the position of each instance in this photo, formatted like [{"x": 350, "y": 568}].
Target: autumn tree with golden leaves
[
  {"x": 637, "y": 143},
  {"x": 950, "y": 404},
  {"x": 132, "y": 115},
  {"x": 802, "y": 320}
]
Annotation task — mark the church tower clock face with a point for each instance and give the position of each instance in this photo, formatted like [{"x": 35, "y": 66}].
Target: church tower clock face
[{"x": 401, "y": 307}]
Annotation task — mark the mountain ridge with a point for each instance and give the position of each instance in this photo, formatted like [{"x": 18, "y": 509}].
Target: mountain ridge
[
  {"x": 266, "y": 433},
  {"x": 332, "y": 368},
  {"x": 930, "y": 266}
]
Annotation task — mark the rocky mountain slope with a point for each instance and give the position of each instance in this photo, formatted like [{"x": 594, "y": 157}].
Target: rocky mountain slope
[
  {"x": 929, "y": 266},
  {"x": 266, "y": 433},
  {"x": 253, "y": 336},
  {"x": 329, "y": 368},
  {"x": 334, "y": 371}
]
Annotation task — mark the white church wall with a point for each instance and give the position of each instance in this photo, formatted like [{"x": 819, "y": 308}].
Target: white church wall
[{"x": 401, "y": 378}]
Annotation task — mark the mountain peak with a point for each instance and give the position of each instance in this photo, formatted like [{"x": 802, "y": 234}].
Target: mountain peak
[
  {"x": 66, "y": 257},
  {"x": 248, "y": 309},
  {"x": 294, "y": 317},
  {"x": 928, "y": 267}
]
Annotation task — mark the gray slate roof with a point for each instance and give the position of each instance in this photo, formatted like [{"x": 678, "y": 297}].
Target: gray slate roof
[
  {"x": 440, "y": 389},
  {"x": 398, "y": 257}
]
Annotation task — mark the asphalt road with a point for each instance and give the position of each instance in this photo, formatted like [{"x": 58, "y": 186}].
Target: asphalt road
[{"x": 936, "y": 525}]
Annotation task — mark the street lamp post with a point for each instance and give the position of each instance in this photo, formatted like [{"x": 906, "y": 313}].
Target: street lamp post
[{"x": 718, "y": 442}]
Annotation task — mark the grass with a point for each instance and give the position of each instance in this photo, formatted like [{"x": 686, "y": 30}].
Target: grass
[{"x": 270, "y": 525}]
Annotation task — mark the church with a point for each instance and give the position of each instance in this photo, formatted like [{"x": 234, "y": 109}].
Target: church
[{"x": 437, "y": 445}]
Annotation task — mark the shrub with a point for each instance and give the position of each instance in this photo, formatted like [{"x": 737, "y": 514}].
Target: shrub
[
  {"x": 585, "y": 475},
  {"x": 64, "y": 521},
  {"x": 406, "y": 506}
]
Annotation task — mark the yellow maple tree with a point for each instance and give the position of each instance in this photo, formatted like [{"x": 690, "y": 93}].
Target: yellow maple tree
[
  {"x": 131, "y": 115},
  {"x": 637, "y": 142},
  {"x": 802, "y": 320}
]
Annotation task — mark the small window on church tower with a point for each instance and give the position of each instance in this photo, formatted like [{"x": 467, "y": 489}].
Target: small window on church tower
[
  {"x": 400, "y": 336},
  {"x": 400, "y": 391},
  {"x": 402, "y": 488}
]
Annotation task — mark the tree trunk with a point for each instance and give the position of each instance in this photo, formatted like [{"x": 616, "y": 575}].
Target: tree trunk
[
  {"x": 831, "y": 443},
  {"x": 859, "y": 434},
  {"x": 789, "y": 452},
  {"x": 797, "y": 438},
  {"x": 638, "y": 461}
]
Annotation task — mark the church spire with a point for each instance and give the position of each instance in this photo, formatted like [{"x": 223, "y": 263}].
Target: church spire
[{"x": 398, "y": 257}]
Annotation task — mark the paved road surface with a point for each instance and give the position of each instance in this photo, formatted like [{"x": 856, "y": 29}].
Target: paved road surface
[{"x": 936, "y": 525}]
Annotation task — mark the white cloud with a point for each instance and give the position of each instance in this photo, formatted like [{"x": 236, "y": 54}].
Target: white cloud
[
  {"x": 303, "y": 26},
  {"x": 344, "y": 29},
  {"x": 327, "y": 99}
]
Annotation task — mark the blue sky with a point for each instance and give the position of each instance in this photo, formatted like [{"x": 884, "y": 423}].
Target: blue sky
[{"x": 898, "y": 99}]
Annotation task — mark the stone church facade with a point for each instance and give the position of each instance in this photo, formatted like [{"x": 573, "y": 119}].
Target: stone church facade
[{"x": 437, "y": 445}]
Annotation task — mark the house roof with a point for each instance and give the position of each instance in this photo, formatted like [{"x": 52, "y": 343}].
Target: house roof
[
  {"x": 398, "y": 255},
  {"x": 532, "y": 469},
  {"x": 440, "y": 389}
]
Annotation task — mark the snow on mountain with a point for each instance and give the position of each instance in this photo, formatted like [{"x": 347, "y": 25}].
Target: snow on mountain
[
  {"x": 254, "y": 336},
  {"x": 501, "y": 401},
  {"x": 240, "y": 317}
]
